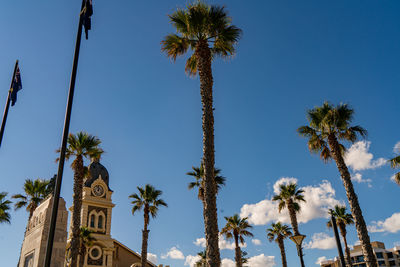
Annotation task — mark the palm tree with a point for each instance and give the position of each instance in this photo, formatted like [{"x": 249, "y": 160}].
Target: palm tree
[
  {"x": 35, "y": 191},
  {"x": 202, "y": 262},
  {"x": 289, "y": 197},
  {"x": 86, "y": 240},
  {"x": 278, "y": 233},
  {"x": 395, "y": 163},
  {"x": 207, "y": 31},
  {"x": 198, "y": 174},
  {"x": 4, "y": 207},
  {"x": 328, "y": 125},
  {"x": 148, "y": 200},
  {"x": 80, "y": 146},
  {"x": 342, "y": 220},
  {"x": 237, "y": 228}
]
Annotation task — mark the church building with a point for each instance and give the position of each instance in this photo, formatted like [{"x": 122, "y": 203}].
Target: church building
[{"x": 96, "y": 215}]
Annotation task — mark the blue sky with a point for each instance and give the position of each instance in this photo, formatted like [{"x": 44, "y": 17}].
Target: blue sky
[{"x": 293, "y": 56}]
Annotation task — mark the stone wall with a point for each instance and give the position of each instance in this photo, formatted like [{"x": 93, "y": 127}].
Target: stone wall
[{"x": 35, "y": 240}]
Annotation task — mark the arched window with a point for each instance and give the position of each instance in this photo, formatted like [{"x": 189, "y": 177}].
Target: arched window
[
  {"x": 92, "y": 221},
  {"x": 100, "y": 222}
]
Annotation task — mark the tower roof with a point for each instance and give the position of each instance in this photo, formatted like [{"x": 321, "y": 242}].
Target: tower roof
[{"x": 96, "y": 170}]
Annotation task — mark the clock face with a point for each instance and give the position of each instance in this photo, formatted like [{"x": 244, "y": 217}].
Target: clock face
[{"x": 98, "y": 190}]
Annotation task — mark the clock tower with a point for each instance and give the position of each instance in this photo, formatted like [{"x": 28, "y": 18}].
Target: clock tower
[{"x": 96, "y": 215}]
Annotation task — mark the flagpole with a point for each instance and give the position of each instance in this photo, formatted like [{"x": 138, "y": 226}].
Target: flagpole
[
  {"x": 3, "y": 123},
  {"x": 57, "y": 190}
]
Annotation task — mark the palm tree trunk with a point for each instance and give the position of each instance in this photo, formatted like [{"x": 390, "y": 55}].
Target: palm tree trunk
[
  {"x": 77, "y": 202},
  {"x": 346, "y": 247},
  {"x": 293, "y": 217},
  {"x": 283, "y": 253},
  {"x": 145, "y": 237},
  {"x": 82, "y": 256},
  {"x": 238, "y": 252},
  {"x": 203, "y": 55},
  {"x": 353, "y": 201}
]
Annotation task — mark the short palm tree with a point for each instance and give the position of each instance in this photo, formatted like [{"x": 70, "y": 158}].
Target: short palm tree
[
  {"x": 290, "y": 197},
  {"x": 4, "y": 208},
  {"x": 35, "y": 191},
  {"x": 208, "y": 32},
  {"x": 202, "y": 261},
  {"x": 86, "y": 240},
  {"x": 395, "y": 163},
  {"x": 148, "y": 200},
  {"x": 198, "y": 174},
  {"x": 237, "y": 229},
  {"x": 278, "y": 233},
  {"x": 80, "y": 146},
  {"x": 342, "y": 220},
  {"x": 329, "y": 126}
]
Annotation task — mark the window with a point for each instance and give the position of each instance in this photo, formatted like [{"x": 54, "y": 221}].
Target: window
[
  {"x": 381, "y": 263},
  {"x": 392, "y": 263},
  {"x": 379, "y": 255},
  {"x": 390, "y": 255},
  {"x": 92, "y": 220},
  {"x": 95, "y": 252},
  {"x": 100, "y": 223},
  {"x": 359, "y": 259},
  {"x": 29, "y": 260}
]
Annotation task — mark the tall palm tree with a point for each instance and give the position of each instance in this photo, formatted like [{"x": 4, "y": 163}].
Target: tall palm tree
[
  {"x": 35, "y": 191},
  {"x": 342, "y": 220},
  {"x": 395, "y": 163},
  {"x": 198, "y": 174},
  {"x": 148, "y": 200},
  {"x": 80, "y": 146},
  {"x": 202, "y": 262},
  {"x": 328, "y": 126},
  {"x": 278, "y": 233},
  {"x": 4, "y": 208},
  {"x": 86, "y": 240},
  {"x": 289, "y": 197},
  {"x": 208, "y": 32},
  {"x": 237, "y": 228}
]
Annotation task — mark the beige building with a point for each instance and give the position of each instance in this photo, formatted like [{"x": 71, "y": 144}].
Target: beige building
[
  {"x": 385, "y": 257},
  {"x": 96, "y": 214}
]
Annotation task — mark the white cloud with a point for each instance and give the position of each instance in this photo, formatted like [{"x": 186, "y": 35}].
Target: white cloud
[
  {"x": 262, "y": 261},
  {"x": 223, "y": 243},
  {"x": 256, "y": 242},
  {"x": 396, "y": 148},
  {"x": 228, "y": 263},
  {"x": 321, "y": 259},
  {"x": 357, "y": 177},
  {"x": 152, "y": 257},
  {"x": 320, "y": 199},
  {"x": 358, "y": 158},
  {"x": 173, "y": 253},
  {"x": 191, "y": 260},
  {"x": 321, "y": 241},
  {"x": 201, "y": 242},
  {"x": 391, "y": 225}
]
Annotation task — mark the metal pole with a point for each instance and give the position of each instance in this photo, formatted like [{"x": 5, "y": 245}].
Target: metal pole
[
  {"x": 57, "y": 190},
  {"x": 3, "y": 123},
  {"x": 300, "y": 253},
  {"x": 338, "y": 244}
]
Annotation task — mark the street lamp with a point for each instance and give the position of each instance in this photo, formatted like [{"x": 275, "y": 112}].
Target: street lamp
[{"x": 298, "y": 240}]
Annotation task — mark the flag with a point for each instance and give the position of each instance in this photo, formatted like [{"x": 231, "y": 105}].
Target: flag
[
  {"x": 16, "y": 86},
  {"x": 87, "y": 12}
]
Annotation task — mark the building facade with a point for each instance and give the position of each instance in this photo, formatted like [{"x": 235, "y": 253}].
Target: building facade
[
  {"x": 96, "y": 214},
  {"x": 385, "y": 257}
]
